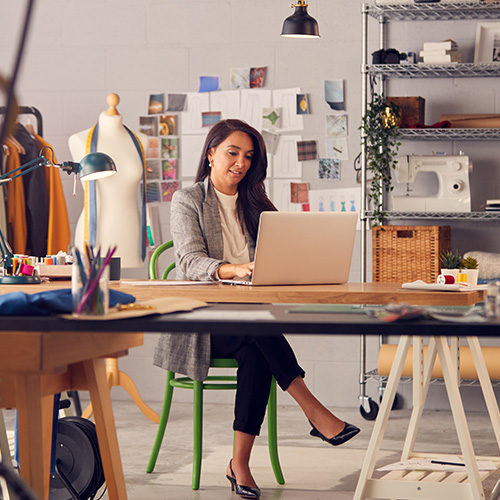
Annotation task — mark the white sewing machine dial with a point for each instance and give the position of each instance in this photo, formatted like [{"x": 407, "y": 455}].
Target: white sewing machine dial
[
  {"x": 456, "y": 186},
  {"x": 456, "y": 166}
]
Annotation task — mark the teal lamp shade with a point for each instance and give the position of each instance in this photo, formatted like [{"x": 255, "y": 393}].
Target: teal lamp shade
[
  {"x": 96, "y": 166},
  {"x": 300, "y": 24}
]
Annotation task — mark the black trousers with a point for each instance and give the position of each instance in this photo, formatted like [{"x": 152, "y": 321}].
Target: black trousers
[{"x": 259, "y": 358}]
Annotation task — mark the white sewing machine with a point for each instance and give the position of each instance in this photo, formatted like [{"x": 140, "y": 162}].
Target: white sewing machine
[{"x": 453, "y": 178}]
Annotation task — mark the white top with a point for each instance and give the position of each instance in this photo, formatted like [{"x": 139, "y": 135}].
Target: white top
[{"x": 235, "y": 243}]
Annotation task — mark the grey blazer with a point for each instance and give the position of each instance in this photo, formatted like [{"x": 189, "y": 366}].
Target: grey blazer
[{"x": 199, "y": 249}]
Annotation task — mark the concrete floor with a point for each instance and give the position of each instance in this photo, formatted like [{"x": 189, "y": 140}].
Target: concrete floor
[{"x": 312, "y": 469}]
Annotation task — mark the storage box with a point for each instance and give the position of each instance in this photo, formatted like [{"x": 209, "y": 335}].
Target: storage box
[
  {"x": 412, "y": 110},
  {"x": 472, "y": 120},
  {"x": 403, "y": 254}
]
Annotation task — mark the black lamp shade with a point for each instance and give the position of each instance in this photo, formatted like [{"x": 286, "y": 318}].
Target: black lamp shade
[
  {"x": 96, "y": 166},
  {"x": 300, "y": 24}
]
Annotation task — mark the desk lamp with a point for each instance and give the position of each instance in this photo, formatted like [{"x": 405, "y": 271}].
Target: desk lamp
[
  {"x": 300, "y": 24},
  {"x": 91, "y": 167}
]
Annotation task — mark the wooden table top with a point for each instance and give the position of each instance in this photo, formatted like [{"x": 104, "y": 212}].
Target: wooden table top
[{"x": 350, "y": 293}]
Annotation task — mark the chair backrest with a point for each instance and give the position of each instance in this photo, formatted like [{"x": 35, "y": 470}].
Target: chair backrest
[{"x": 153, "y": 262}]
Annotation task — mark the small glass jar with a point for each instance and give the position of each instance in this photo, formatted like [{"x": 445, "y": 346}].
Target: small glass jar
[{"x": 94, "y": 295}]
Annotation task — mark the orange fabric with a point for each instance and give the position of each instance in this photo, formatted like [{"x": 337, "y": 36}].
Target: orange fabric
[
  {"x": 59, "y": 232},
  {"x": 17, "y": 232}
]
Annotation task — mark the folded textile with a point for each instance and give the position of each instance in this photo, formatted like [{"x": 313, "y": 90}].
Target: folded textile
[
  {"x": 49, "y": 302},
  {"x": 442, "y": 124}
]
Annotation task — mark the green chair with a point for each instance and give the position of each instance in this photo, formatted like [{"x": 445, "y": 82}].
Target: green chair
[{"x": 212, "y": 382}]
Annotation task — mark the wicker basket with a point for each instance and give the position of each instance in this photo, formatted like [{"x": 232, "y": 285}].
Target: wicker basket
[{"x": 407, "y": 253}]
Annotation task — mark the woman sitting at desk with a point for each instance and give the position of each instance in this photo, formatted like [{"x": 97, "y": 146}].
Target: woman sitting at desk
[{"x": 214, "y": 227}]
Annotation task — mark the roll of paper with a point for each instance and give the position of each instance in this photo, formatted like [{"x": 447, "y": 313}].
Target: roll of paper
[{"x": 467, "y": 369}]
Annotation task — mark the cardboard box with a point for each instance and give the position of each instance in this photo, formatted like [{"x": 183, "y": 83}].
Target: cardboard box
[
  {"x": 412, "y": 110},
  {"x": 472, "y": 120}
]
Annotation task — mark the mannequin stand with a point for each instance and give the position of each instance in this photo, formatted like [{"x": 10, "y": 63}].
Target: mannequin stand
[{"x": 116, "y": 378}]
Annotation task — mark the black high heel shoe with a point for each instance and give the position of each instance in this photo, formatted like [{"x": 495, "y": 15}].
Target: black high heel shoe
[
  {"x": 348, "y": 432},
  {"x": 250, "y": 492}
]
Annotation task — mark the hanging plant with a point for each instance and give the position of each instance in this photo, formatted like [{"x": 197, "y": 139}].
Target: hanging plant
[{"x": 380, "y": 126}]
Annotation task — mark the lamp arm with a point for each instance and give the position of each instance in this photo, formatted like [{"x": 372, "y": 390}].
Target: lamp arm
[
  {"x": 27, "y": 167},
  {"x": 6, "y": 252}
]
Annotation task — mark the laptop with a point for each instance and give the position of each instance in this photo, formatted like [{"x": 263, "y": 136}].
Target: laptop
[{"x": 302, "y": 248}]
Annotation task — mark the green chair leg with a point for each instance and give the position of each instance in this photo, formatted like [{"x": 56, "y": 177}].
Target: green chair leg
[
  {"x": 272, "y": 431},
  {"x": 197, "y": 432},
  {"x": 167, "y": 402}
]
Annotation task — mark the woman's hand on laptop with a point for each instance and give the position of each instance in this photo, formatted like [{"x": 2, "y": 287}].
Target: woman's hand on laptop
[{"x": 228, "y": 271}]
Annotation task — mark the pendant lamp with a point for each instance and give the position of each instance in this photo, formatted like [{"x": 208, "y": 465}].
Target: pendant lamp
[{"x": 300, "y": 24}]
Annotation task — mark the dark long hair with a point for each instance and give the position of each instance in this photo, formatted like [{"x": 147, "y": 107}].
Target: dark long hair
[{"x": 252, "y": 198}]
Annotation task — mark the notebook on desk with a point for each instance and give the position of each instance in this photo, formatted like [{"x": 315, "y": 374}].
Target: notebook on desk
[{"x": 302, "y": 248}]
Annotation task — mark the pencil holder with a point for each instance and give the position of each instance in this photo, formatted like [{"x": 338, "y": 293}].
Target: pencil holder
[{"x": 90, "y": 291}]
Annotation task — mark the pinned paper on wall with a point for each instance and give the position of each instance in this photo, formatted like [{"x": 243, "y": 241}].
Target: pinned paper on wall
[
  {"x": 176, "y": 102},
  {"x": 299, "y": 192},
  {"x": 155, "y": 104},
  {"x": 334, "y": 94},
  {"x": 169, "y": 169},
  {"x": 148, "y": 125},
  {"x": 271, "y": 118},
  {"x": 196, "y": 104},
  {"x": 302, "y": 104},
  {"x": 271, "y": 139},
  {"x": 240, "y": 78},
  {"x": 227, "y": 102},
  {"x": 281, "y": 196},
  {"x": 209, "y": 83},
  {"x": 329, "y": 168},
  {"x": 286, "y": 99},
  {"x": 257, "y": 77},
  {"x": 336, "y": 200},
  {"x": 209, "y": 118},
  {"x": 307, "y": 150},
  {"x": 168, "y": 124},
  {"x": 336, "y": 125},
  {"x": 285, "y": 162},
  {"x": 168, "y": 188},
  {"x": 170, "y": 148},
  {"x": 252, "y": 103},
  {"x": 337, "y": 148},
  {"x": 152, "y": 170},
  {"x": 153, "y": 150},
  {"x": 152, "y": 192}
]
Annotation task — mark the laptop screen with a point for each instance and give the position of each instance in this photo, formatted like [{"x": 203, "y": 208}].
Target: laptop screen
[{"x": 298, "y": 248}]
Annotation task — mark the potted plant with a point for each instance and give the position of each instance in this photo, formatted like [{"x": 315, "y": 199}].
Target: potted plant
[
  {"x": 380, "y": 136},
  {"x": 469, "y": 267},
  {"x": 450, "y": 263}
]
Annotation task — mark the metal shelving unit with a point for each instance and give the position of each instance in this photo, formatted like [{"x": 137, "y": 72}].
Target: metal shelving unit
[
  {"x": 475, "y": 216},
  {"x": 382, "y": 72},
  {"x": 450, "y": 134},
  {"x": 420, "y": 70}
]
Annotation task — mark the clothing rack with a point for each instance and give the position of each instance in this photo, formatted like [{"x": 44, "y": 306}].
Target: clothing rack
[{"x": 29, "y": 110}]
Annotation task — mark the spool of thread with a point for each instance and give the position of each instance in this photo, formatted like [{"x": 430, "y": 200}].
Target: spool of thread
[
  {"x": 27, "y": 269},
  {"x": 446, "y": 279}
]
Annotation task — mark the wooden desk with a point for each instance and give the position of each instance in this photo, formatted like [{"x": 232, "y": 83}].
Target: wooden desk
[
  {"x": 35, "y": 365},
  {"x": 48, "y": 375},
  {"x": 350, "y": 293}
]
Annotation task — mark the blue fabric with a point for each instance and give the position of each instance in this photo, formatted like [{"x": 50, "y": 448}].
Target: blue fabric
[{"x": 50, "y": 302}]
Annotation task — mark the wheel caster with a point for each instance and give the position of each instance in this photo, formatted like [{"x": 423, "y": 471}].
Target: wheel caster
[{"x": 372, "y": 414}]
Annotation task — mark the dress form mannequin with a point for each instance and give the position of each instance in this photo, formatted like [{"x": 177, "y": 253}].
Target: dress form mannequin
[
  {"x": 118, "y": 215},
  {"x": 118, "y": 196}
]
